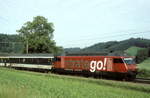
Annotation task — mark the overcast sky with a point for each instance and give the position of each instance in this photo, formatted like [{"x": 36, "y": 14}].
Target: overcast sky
[{"x": 80, "y": 23}]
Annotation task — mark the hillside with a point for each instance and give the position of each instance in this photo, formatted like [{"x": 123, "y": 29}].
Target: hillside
[
  {"x": 10, "y": 44},
  {"x": 145, "y": 64},
  {"x": 130, "y": 46},
  {"x": 77, "y": 49},
  {"x": 144, "y": 68},
  {"x": 119, "y": 45},
  {"x": 103, "y": 47},
  {"x": 133, "y": 50}
]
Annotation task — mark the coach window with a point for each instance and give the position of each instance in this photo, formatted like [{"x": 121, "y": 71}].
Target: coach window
[
  {"x": 49, "y": 61},
  {"x": 24, "y": 60},
  {"x": 118, "y": 60}
]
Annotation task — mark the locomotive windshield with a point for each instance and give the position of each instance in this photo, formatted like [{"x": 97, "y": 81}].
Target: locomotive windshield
[{"x": 129, "y": 61}]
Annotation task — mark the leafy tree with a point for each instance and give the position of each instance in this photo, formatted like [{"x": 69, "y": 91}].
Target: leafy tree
[{"x": 38, "y": 36}]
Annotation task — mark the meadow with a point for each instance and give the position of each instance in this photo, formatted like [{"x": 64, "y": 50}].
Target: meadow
[
  {"x": 144, "y": 69},
  {"x": 23, "y": 84},
  {"x": 145, "y": 64},
  {"x": 132, "y": 51}
]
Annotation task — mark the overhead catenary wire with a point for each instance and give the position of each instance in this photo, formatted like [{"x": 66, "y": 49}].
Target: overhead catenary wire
[{"x": 104, "y": 37}]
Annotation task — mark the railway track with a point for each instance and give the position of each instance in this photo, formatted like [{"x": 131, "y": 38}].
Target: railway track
[{"x": 142, "y": 80}]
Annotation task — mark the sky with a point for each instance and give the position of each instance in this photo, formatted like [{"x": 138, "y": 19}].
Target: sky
[{"x": 80, "y": 23}]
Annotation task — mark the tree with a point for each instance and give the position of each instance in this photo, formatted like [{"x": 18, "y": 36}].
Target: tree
[{"x": 38, "y": 36}]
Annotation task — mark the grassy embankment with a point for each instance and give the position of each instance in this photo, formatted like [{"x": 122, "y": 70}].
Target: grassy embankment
[
  {"x": 20, "y": 84},
  {"x": 144, "y": 68},
  {"x": 132, "y": 51}
]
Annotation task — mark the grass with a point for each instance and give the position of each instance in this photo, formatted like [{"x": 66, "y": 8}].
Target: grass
[
  {"x": 144, "y": 68},
  {"x": 21, "y": 84},
  {"x": 132, "y": 51},
  {"x": 145, "y": 64}
]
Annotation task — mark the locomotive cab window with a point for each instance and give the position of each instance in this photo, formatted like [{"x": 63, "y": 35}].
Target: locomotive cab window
[
  {"x": 118, "y": 60},
  {"x": 129, "y": 61}
]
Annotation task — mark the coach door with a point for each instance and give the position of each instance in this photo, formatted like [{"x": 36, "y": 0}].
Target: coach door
[{"x": 109, "y": 64}]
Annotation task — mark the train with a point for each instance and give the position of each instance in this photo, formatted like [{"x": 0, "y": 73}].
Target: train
[
  {"x": 38, "y": 63},
  {"x": 115, "y": 67},
  {"x": 118, "y": 67}
]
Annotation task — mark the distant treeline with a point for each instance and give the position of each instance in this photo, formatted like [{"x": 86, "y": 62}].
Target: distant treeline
[{"x": 10, "y": 44}]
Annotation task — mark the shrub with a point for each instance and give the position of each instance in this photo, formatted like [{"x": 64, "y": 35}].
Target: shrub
[{"x": 142, "y": 55}]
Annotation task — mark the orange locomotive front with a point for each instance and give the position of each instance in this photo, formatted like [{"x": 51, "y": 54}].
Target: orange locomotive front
[{"x": 109, "y": 66}]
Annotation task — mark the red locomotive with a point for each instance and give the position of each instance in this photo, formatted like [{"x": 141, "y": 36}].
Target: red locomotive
[{"x": 118, "y": 67}]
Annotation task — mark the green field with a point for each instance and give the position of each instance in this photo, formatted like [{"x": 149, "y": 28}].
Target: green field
[
  {"x": 145, "y": 64},
  {"x": 144, "y": 68},
  {"x": 21, "y": 84},
  {"x": 132, "y": 51}
]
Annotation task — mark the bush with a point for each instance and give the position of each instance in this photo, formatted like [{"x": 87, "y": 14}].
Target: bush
[{"x": 142, "y": 55}]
